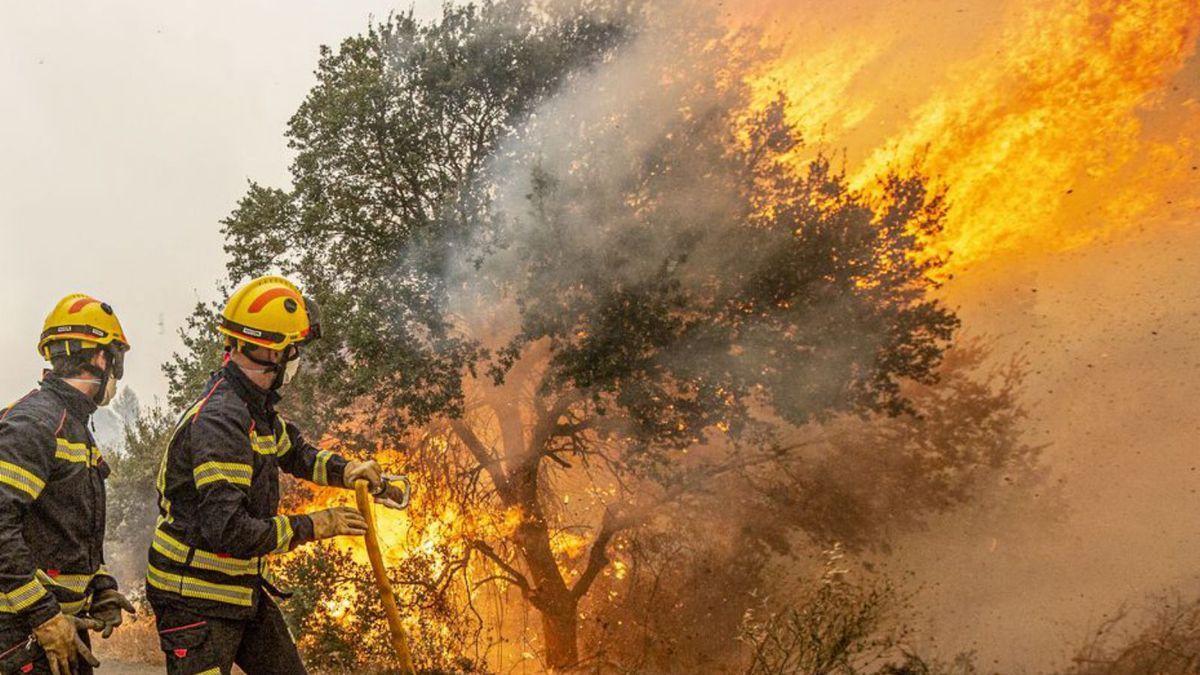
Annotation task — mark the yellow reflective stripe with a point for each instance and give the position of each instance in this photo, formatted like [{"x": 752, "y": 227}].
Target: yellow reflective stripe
[
  {"x": 285, "y": 442},
  {"x": 320, "y": 470},
  {"x": 14, "y": 476},
  {"x": 76, "y": 583},
  {"x": 22, "y": 597},
  {"x": 76, "y": 452},
  {"x": 283, "y": 534},
  {"x": 191, "y": 587},
  {"x": 233, "y": 472},
  {"x": 72, "y": 608},
  {"x": 210, "y": 671},
  {"x": 161, "y": 481},
  {"x": 166, "y": 546},
  {"x": 176, "y": 550},
  {"x": 263, "y": 445}
]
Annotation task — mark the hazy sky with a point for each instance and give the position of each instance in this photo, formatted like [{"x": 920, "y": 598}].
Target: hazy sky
[{"x": 128, "y": 129}]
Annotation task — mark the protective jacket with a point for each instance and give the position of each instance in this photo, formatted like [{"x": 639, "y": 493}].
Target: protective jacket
[
  {"x": 51, "y": 506},
  {"x": 218, "y": 491}
]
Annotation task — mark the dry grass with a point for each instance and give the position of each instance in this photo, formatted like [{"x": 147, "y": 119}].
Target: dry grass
[{"x": 136, "y": 641}]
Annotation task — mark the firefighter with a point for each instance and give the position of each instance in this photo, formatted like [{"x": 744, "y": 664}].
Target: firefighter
[
  {"x": 208, "y": 579},
  {"x": 53, "y": 582}
]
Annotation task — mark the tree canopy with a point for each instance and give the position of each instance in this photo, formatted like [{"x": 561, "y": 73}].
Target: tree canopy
[{"x": 576, "y": 250}]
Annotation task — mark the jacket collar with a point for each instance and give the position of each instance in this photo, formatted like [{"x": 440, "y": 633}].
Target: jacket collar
[
  {"x": 77, "y": 403},
  {"x": 259, "y": 399}
]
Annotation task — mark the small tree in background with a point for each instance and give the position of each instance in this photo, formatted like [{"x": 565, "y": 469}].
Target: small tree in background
[{"x": 132, "y": 496}]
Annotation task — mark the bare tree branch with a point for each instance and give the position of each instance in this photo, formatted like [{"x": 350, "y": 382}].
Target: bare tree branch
[
  {"x": 486, "y": 459},
  {"x": 514, "y": 574}
]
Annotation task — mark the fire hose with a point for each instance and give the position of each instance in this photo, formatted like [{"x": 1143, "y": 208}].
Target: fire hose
[{"x": 399, "y": 639}]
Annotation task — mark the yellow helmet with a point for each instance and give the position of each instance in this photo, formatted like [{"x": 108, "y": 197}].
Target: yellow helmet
[
  {"x": 79, "y": 322},
  {"x": 270, "y": 312}
]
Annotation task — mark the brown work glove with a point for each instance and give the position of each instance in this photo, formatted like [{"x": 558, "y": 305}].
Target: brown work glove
[
  {"x": 337, "y": 521},
  {"x": 368, "y": 471},
  {"x": 390, "y": 491},
  {"x": 106, "y": 608},
  {"x": 59, "y": 638}
]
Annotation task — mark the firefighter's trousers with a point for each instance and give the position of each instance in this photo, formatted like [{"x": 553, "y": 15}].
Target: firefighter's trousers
[{"x": 194, "y": 645}]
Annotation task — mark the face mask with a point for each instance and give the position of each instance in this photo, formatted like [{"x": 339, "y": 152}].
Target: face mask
[
  {"x": 110, "y": 392},
  {"x": 290, "y": 370},
  {"x": 106, "y": 380},
  {"x": 284, "y": 370}
]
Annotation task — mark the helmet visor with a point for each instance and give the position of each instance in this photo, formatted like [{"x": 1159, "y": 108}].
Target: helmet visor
[
  {"x": 314, "y": 319},
  {"x": 116, "y": 360}
]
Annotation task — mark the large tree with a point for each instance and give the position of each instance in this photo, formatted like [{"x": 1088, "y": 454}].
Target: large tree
[{"x": 584, "y": 251}]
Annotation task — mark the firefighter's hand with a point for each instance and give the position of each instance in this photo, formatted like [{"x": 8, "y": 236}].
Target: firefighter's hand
[
  {"x": 395, "y": 493},
  {"x": 337, "y": 521},
  {"x": 106, "y": 608},
  {"x": 368, "y": 471},
  {"x": 60, "y": 639}
]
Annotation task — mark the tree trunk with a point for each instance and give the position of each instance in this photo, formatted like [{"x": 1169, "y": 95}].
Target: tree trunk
[
  {"x": 550, "y": 596},
  {"x": 547, "y": 591},
  {"x": 560, "y": 630}
]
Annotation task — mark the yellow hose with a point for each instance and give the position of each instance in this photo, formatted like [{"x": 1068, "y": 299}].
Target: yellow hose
[{"x": 366, "y": 506}]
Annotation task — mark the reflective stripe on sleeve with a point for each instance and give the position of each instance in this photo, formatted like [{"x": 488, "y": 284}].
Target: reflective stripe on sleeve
[
  {"x": 283, "y": 534},
  {"x": 320, "y": 469},
  {"x": 285, "y": 442},
  {"x": 22, "y": 597},
  {"x": 73, "y": 608},
  {"x": 80, "y": 453},
  {"x": 76, "y": 583},
  {"x": 263, "y": 445},
  {"x": 232, "y": 472},
  {"x": 21, "y": 479}
]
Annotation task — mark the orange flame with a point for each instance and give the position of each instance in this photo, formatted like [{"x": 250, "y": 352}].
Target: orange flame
[{"x": 1059, "y": 125}]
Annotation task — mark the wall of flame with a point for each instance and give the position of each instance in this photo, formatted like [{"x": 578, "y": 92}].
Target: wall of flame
[{"x": 1050, "y": 123}]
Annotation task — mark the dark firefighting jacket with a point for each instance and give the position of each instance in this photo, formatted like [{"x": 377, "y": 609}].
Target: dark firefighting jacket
[
  {"x": 218, "y": 491},
  {"x": 51, "y": 506}
]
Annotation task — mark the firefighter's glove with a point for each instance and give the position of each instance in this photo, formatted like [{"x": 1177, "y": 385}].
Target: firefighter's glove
[
  {"x": 368, "y": 471},
  {"x": 59, "y": 638},
  {"x": 106, "y": 608},
  {"x": 337, "y": 521},
  {"x": 395, "y": 493}
]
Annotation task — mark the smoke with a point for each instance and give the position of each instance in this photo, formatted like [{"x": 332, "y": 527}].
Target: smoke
[
  {"x": 1110, "y": 333},
  {"x": 1045, "y": 147},
  {"x": 581, "y": 151}
]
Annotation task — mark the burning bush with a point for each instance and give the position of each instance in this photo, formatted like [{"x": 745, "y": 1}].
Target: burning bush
[{"x": 338, "y": 617}]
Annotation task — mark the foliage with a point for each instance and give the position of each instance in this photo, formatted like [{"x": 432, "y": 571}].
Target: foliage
[
  {"x": 337, "y": 616},
  {"x": 863, "y": 483},
  {"x": 187, "y": 371},
  {"x": 401, "y": 119},
  {"x": 881, "y": 476}
]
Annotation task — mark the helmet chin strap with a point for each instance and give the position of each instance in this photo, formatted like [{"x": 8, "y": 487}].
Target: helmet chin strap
[
  {"x": 103, "y": 375},
  {"x": 277, "y": 367}
]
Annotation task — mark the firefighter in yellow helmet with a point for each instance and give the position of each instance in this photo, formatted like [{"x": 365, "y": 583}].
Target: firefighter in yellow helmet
[
  {"x": 208, "y": 577},
  {"x": 53, "y": 582}
]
